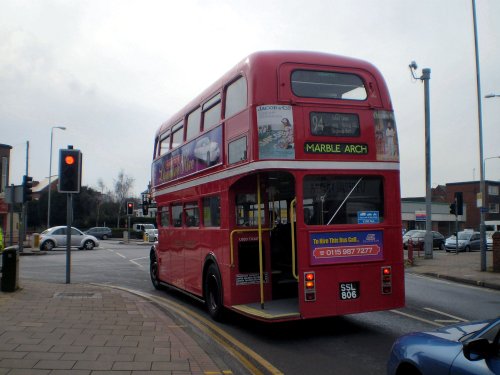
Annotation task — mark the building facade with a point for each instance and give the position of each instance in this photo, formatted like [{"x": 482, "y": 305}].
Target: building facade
[
  {"x": 413, "y": 210},
  {"x": 471, "y": 192},
  {"x": 9, "y": 223}
]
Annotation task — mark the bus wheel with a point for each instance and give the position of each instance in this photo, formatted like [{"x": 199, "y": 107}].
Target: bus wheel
[
  {"x": 153, "y": 271},
  {"x": 213, "y": 293}
]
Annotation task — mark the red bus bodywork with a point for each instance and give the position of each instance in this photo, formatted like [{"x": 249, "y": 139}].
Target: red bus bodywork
[{"x": 270, "y": 167}]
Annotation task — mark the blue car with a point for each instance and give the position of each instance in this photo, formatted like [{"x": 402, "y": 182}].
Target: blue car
[{"x": 470, "y": 348}]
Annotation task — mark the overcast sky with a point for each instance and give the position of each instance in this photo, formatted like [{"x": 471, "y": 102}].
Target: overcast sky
[{"x": 111, "y": 71}]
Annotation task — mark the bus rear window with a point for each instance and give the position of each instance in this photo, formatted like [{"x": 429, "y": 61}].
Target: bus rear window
[
  {"x": 330, "y": 199},
  {"x": 328, "y": 85}
]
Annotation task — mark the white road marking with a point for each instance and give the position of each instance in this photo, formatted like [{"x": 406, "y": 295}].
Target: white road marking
[
  {"x": 417, "y": 318},
  {"x": 137, "y": 264},
  {"x": 456, "y": 319},
  {"x": 139, "y": 258}
]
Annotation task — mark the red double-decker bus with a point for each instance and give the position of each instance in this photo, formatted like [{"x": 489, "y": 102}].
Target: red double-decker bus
[{"x": 278, "y": 191}]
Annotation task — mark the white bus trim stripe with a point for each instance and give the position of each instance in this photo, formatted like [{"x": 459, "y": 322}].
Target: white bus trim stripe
[{"x": 280, "y": 164}]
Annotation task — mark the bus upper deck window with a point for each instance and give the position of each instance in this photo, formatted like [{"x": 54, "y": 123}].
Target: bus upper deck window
[
  {"x": 328, "y": 85},
  {"x": 177, "y": 135},
  {"x": 164, "y": 146}
]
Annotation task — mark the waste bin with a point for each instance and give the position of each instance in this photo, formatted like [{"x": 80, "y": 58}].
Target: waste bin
[{"x": 10, "y": 269}]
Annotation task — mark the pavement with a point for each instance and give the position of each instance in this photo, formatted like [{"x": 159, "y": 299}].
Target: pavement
[
  {"x": 462, "y": 267},
  {"x": 49, "y": 328}
]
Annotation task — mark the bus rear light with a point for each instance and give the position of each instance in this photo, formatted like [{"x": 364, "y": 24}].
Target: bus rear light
[
  {"x": 309, "y": 286},
  {"x": 386, "y": 279}
]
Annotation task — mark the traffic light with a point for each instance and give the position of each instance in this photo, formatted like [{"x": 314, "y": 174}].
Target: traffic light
[
  {"x": 145, "y": 207},
  {"x": 453, "y": 207},
  {"x": 130, "y": 208},
  {"x": 459, "y": 200},
  {"x": 70, "y": 171},
  {"x": 27, "y": 189}
]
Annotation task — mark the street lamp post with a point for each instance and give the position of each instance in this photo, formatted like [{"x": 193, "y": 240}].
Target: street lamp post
[
  {"x": 50, "y": 170},
  {"x": 480, "y": 128},
  {"x": 428, "y": 239},
  {"x": 483, "y": 201}
]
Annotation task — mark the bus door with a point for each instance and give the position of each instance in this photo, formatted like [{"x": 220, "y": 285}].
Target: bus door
[
  {"x": 276, "y": 196},
  {"x": 280, "y": 195}
]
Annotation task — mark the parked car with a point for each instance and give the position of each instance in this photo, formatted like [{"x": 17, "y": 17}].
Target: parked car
[
  {"x": 102, "y": 233},
  {"x": 467, "y": 241},
  {"x": 56, "y": 237},
  {"x": 151, "y": 235},
  {"x": 407, "y": 236},
  {"x": 465, "y": 348},
  {"x": 418, "y": 237}
]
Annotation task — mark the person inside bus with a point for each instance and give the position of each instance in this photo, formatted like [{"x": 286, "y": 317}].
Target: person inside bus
[{"x": 307, "y": 215}]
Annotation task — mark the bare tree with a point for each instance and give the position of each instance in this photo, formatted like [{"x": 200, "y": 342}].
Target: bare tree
[{"x": 122, "y": 187}]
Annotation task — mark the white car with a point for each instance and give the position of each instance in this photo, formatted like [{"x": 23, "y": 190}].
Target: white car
[
  {"x": 56, "y": 237},
  {"x": 151, "y": 235}
]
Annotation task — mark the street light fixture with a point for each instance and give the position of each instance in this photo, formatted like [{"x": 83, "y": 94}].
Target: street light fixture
[
  {"x": 50, "y": 170},
  {"x": 491, "y": 96},
  {"x": 484, "y": 163}
]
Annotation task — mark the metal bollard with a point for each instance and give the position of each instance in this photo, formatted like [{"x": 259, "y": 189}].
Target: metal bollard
[{"x": 10, "y": 269}]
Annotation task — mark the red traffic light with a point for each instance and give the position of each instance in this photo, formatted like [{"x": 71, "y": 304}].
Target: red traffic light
[
  {"x": 70, "y": 170},
  {"x": 69, "y": 159}
]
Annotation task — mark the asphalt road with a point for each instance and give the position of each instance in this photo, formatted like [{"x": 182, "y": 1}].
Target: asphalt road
[{"x": 356, "y": 344}]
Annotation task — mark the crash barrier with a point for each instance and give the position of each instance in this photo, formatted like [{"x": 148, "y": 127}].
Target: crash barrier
[{"x": 10, "y": 270}]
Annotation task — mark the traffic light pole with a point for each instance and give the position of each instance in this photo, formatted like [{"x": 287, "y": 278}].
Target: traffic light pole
[
  {"x": 128, "y": 228},
  {"x": 69, "y": 216}
]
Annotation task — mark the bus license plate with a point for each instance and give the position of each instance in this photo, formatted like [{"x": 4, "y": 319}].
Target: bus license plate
[{"x": 349, "y": 290}]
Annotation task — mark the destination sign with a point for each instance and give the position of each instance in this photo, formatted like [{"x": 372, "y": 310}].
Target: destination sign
[
  {"x": 335, "y": 148},
  {"x": 334, "y": 124}
]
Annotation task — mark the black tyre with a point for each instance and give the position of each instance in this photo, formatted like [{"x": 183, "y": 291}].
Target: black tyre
[
  {"x": 407, "y": 369},
  {"x": 467, "y": 249},
  {"x": 441, "y": 246},
  {"x": 48, "y": 245},
  {"x": 104, "y": 237},
  {"x": 153, "y": 270},
  {"x": 213, "y": 293}
]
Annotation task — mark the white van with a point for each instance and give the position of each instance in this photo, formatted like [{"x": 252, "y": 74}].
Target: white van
[
  {"x": 138, "y": 227},
  {"x": 492, "y": 225}
]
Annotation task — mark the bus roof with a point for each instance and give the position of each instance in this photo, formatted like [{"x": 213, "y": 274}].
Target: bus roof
[{"x": 275, "y": 59}]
